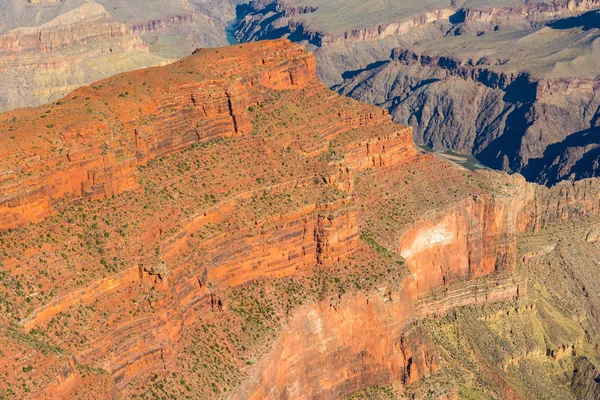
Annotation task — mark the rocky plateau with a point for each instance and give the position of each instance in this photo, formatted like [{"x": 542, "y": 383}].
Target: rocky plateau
[{"x": 226, "y": 226}]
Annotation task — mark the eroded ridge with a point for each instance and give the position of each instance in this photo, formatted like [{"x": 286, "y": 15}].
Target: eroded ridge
[{"x": 228, "y": 227}]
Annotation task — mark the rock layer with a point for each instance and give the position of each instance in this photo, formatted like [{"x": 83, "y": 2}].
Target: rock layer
[
  {"x": 533, "y": 105},
  {"x": 227, "y": 227},
  {"x": 45, "y": 62},
  {"x": 80, "y": 163},
  {"x": 50, "y": 48},
  {"x": 512, "y": 123}
]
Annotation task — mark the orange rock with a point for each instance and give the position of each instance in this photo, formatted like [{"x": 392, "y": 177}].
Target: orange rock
[
  {"x": 113, "y": 133},
  {"x": 230, "y": 167}
]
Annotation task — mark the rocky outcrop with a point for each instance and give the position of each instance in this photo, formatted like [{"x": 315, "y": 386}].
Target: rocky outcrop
[
  {"x": 478, "y": 71},
  {"x": 268, "y": 19},
  {"x": 509, "y": 122},
  {"x": 50, "y": 48},
  {"x": 565, "y": 201},
  {"x": 84, "y": 25},
  {"x": 463, "y": 242},
  {"x": 478, "y": 19},
  {"x": 478, "y": 236},
  {"x": 340, "y": 339},
  {"x": 173, "y": 286},
  {"x": 230, "y": 211},
  {"x": 86, "y": 165},
  {"x": 171, "y": 23},
  {"x": 585, "y": 380}
]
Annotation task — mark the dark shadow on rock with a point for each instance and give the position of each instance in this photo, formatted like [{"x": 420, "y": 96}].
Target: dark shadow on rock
[
  {"x": 508, "y": 144},
  {"x": 298, "y": 35},
  {"x": 546, "y": 168},
  {"x": 596, "y": 118},
  {"x": 521, "y": 90},
  {"x": 355, "y": 73},
  {"x": 585, "y": 21},
  {"x": 587, "y": 166},
  {"x": 265, "y": 26},
  {"x": 458, "y": 17},
  {"x": 273, "y": 34},
  {"x": 424, "y": 82},
  {"x": 241, "y": 10}
]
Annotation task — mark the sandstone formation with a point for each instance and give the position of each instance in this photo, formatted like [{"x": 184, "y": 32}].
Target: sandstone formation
[
  {"x": 49, "y": 48},
  {"x": 227, "y": 227},
  {"x": 527, "y": 71}
]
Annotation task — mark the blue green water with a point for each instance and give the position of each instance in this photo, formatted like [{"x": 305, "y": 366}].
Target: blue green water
[{"x": 230, "y": 32}]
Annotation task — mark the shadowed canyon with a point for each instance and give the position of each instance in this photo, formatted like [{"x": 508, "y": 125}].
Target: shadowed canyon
[{"x": 513, "y": 83}]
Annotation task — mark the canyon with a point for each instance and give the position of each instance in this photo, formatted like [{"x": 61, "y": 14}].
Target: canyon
[
  {"x": 226, "y": 226},
  {"x": 527, "y": 71},
  {"x": 50, "y": 48}
]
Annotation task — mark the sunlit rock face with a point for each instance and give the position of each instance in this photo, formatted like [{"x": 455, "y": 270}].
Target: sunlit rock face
[{"x": 226, "y": 226}]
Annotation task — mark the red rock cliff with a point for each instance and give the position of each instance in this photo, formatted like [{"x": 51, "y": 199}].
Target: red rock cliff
[
  {"x": 86, "y": 147},
  {"x": 230, "y": 170}
]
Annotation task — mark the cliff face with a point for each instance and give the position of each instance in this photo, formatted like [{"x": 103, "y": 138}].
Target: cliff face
[
  {"x": 340, "y": 32},
  {"x": 65, "y": 32},
  {"x": 253, "y": 220},
  {"x": 533, "y": 108},
  {"x": 512, "y": 123},
  {"x": 78, "y": 162},
  {"x": 42, "y": 63},
  {"x": 586, "y": 380},
  {"x": 265, "y": 19},
  {"x": 327, "y": 352},
  {"x": 50, "y": 48},
  {"x": 172, "y": 23},
  {"x": 466, "y": 241},
  {"x": 225, "y": 226},
  {"x": 522, "y": 342}
]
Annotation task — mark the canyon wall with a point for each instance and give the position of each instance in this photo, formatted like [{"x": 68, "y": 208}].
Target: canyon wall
[
  {"x": 199, "y": 256},
  {"x": 463, "y": 254},
  {"x": 471, "y": 239},
  {"x": 45, "y": 62},
  {"x": 517, "y": 120},
  {"x": 225, "y": 226},
  {"x": 512, "y": 124},
  {"x": 84, "y": 25},
  {"x": 264, "y": 19},
  {"x": 79, "y": 163},
  {"x": 50, "y": 48}
]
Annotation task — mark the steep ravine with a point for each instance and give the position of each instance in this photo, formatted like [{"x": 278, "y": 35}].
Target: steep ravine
[
  {"x": 519, "y": 101},
  {"x": 541, "y": 128}
]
